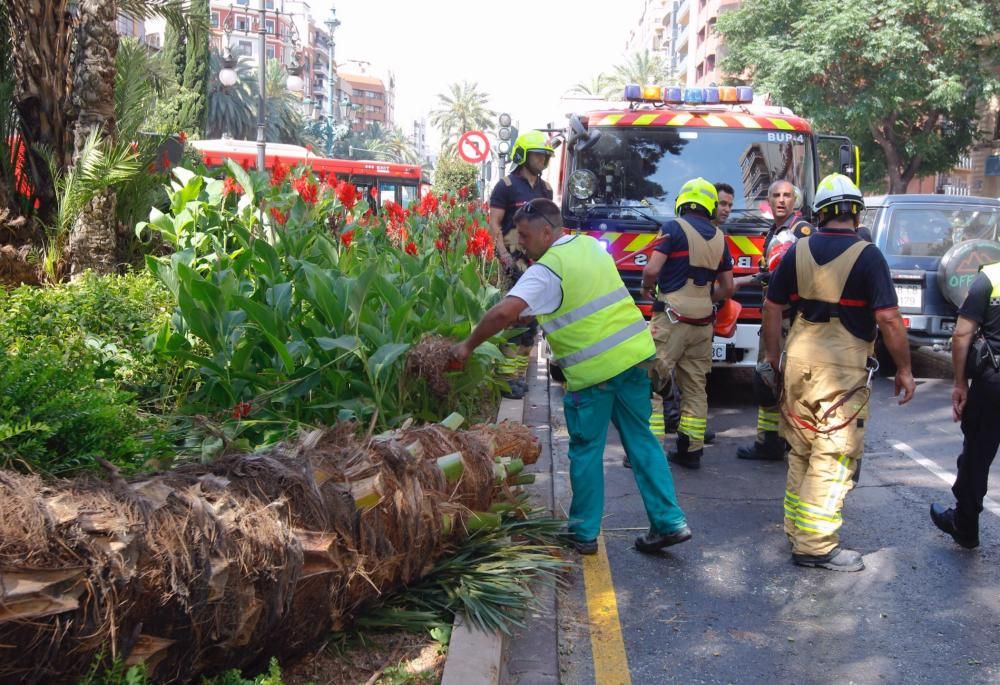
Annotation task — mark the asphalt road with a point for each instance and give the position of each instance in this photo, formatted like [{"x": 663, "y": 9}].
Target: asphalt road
[{"x": 730, "y": 607}]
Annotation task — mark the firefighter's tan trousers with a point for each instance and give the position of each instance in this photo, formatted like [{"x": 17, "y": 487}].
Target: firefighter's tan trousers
[
  {"x": 686, "y": 350},
  {"x": 768, "y": 417},
  {"x": 821, "y": 467}
]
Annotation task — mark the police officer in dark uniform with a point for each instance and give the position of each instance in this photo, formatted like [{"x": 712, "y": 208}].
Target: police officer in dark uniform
[
  {"x": 976, "y": 406},
  {"x": 530, "y": 154},
  {"x": 782, "y": 198}
]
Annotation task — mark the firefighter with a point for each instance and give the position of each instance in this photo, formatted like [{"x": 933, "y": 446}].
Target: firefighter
[
  {"x": 682, "y": 269},
  {"x": 725, "y": 205},
  {"x": 975, "y": 407},
  {"x": 782, "y": 197},
  {"x": 601, "y": 340},
  {"x": 530, "y": 155},
  {"x": 667, "y": 420},
  {"x": 840, "y": 289}
]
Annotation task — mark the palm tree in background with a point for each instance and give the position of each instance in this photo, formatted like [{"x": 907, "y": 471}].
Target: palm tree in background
[
  {"x": 597, "y": 86},
  {"x": 644, "y": 68},
  {"x": 463, "y": 108},
  {"x": 399, "y": 146},
  {"x": 231, "y": 109},
  {"x": 284, "y": 108}
]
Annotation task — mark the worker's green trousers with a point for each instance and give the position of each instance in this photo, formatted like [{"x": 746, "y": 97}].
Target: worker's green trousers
[{"x": 624, "y": 400}]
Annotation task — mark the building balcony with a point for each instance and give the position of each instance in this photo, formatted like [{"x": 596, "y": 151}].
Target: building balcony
[
  {"x": 682, "y": 39},
  {"x": 684, "y": 12}
]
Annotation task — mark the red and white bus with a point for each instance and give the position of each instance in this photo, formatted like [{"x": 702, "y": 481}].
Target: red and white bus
[{"x": 381, "y": 181}]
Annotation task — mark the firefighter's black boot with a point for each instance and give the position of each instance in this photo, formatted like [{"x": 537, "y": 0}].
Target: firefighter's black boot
[
  {"x": 772, "y": 449},
  {"x": 840, "y": 559},
  {"x": 683, "y": 456}
]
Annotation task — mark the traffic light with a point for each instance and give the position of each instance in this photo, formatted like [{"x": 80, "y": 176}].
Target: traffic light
[{"x": 507, "y": 134}]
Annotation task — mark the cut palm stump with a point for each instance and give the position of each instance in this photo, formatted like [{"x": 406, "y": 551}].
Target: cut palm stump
[{"x": 210, "y": 567}]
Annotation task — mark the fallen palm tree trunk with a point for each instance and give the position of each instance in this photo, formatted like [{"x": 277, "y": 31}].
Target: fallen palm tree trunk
[{"x": 223, "y": 565}]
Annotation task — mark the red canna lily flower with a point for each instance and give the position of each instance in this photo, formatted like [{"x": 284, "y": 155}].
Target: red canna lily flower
[
  {"x": 439, "y": 244},
  {"x": 348, "y": 194},
  {"x": 279, "y": 172},
  {"x": 306, "y": 189},
  {"x": 230, "y": 186},
  {"x": 346, "y": 238},
  {"x": 411, "y": 248},
  {"x": 181, "y": 136},
  {"x": 278, "y": 216}
]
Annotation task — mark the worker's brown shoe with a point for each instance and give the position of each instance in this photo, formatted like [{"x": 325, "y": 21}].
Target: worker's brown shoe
[
  {"x": 944, "y": 519},
  {"x": 840, "y": 559}
]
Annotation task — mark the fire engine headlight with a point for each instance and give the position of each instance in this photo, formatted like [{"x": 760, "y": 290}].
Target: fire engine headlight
[{"x": 582, "y": 184}]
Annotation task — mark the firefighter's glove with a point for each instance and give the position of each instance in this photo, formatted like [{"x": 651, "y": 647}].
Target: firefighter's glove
[{"x": 766, "y": 384}]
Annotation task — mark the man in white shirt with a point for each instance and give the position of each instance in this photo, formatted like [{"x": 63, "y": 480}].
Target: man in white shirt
[{"x": 601, "y": 341}]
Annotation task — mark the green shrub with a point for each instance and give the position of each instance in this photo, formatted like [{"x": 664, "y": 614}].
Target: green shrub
[
  {"x": 452, "y": 174},
  {"x": 57, "y": 417},
  {"x": 104, "y": 318}
]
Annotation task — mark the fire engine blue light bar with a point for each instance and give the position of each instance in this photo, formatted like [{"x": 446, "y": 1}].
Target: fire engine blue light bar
[
  {"x": 744, "y": 94},
  {"x": 633, "y": 91},
  {"x": 694, "y": 96},
  {"x": 673, "y": 95},
  {"x": 711, "y": 96}
]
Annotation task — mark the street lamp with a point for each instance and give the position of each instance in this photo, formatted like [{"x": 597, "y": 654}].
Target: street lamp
[{"x": 228, "y": 76}]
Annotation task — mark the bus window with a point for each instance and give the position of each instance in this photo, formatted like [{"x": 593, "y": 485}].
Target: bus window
[
  {"x": 408, "y": 194},
  {"x": 387, "y": 191}
]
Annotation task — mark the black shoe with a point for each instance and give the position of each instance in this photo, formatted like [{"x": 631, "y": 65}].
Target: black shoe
[
  {"x": 840, "y": 559},
  {"x": 945, "y": 520},
  {"x": 518, "y": 389},
  {"x": 654, "y": 542},
  {"x": 690, "y": 460},
  {"x": 582, "y": 546},
  {"x": 709, "y": 437},
  {"x": 772, "y": 449}
]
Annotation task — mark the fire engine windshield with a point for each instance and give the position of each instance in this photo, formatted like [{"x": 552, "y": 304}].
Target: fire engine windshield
[{"x": 643, "y": 168}]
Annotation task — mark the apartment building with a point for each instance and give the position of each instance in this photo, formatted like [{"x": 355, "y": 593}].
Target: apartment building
[{"x": 370, "y": 99}]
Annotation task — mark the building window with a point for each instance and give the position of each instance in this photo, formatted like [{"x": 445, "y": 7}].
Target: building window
[
  {"x": 269, "y": 26},
  {"x": 710, "y": 63},
  {"x": 242, "y": 2},
  {"x": 269, "y": 4},
  {"x": 215, "y": 20},
  {"x": 242, "y": 24},
  {"x": 270, "y": 52},
  {"x": 244, "y": 47}
]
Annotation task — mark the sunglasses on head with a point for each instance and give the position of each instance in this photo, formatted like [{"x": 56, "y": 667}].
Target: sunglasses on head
[{"x": 529, "y": 209}]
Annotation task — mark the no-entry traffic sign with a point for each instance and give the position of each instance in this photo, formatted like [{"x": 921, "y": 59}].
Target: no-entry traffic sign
[{"x": 473, "y": 147}]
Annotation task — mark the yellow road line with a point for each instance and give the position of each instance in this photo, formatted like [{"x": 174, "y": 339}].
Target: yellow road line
[{"x": 610, "y": 662}]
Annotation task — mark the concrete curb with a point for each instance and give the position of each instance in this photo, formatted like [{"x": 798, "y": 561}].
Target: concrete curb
[{"x": 475, "y": 657}]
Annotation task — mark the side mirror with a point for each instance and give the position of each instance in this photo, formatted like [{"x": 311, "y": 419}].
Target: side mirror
[
  {"x": 580, "y": 137},
  {"x": 850, "y": 163}
]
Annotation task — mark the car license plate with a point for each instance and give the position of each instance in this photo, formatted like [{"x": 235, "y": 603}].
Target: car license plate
[
  {"x": 718, "y": 352},
  {"x": 910, "y": 296}
]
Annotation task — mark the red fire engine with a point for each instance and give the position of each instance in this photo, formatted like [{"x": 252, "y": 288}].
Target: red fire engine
[{"x": 622, "y": 166}]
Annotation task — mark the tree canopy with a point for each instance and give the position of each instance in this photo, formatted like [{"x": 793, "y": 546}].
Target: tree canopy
[{"x": 901, "y": 77}]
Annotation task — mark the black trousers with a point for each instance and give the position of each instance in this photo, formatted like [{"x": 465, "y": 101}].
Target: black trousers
[{"x": 981, "y": 428}]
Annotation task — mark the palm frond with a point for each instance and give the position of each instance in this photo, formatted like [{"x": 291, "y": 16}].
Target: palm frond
[{"x": 489, "y": 577}]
